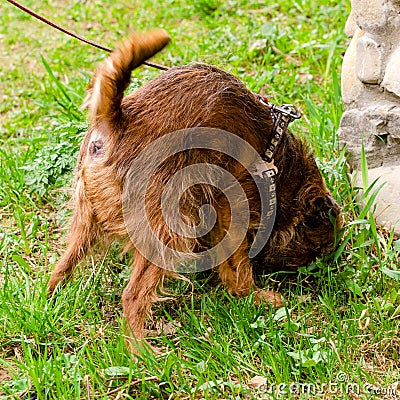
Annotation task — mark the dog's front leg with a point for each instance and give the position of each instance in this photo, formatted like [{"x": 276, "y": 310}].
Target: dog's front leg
[
  {"x": 237, "y": 276},
  {"x": 236, "y": 272}
]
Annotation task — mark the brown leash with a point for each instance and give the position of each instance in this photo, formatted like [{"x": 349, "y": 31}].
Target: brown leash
[
  {"x": 282, "y": 116},
  {"x": 76, "y": 36}
]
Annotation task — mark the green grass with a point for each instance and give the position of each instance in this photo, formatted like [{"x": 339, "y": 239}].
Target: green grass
[{"x": 342, "y": 316}]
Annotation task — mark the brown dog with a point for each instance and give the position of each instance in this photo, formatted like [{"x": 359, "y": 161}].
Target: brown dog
[{"x": 117, "y": 162}]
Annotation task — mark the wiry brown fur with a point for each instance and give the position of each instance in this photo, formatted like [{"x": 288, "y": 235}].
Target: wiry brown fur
[{"x": 185, "y": 97}]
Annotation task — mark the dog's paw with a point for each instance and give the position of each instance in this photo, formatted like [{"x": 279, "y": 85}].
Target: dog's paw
[
  {"x": 263, "y": 296},
  {"x": 53, "y": 284},
  {"x": 139, "y": 349}
]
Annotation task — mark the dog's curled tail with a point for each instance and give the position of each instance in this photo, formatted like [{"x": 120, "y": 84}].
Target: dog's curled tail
[{"x": 112, "y": 76}]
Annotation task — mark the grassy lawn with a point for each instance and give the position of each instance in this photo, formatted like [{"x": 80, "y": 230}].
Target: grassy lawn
[{"x": 337, "y": 337}]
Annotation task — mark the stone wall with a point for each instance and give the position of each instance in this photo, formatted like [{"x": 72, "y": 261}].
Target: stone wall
[{"x": 371, "y": 95}]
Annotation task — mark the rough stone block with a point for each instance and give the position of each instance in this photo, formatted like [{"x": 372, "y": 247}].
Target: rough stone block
[
  {"x": 379, "y": 128},
  {"x": 387, "y": 203},
  {"x": 372, "y": 15},
  {"x": 351, "y": 25},
  {"x": 351, "y": 85},
  {"x": 391, "y": 80},
  {"x": 368, "y": 60}
]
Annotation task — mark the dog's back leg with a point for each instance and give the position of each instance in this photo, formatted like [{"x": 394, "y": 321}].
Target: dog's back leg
[
  {"x": 138, "y": 296},
  {"x": 83, "y": 234}
]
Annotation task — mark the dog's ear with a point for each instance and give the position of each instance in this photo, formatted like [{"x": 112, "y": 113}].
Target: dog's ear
[{"x": 112, "y": 76}]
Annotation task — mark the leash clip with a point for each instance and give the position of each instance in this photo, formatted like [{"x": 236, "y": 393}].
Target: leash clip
[{"x": 286, "y": 109}]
